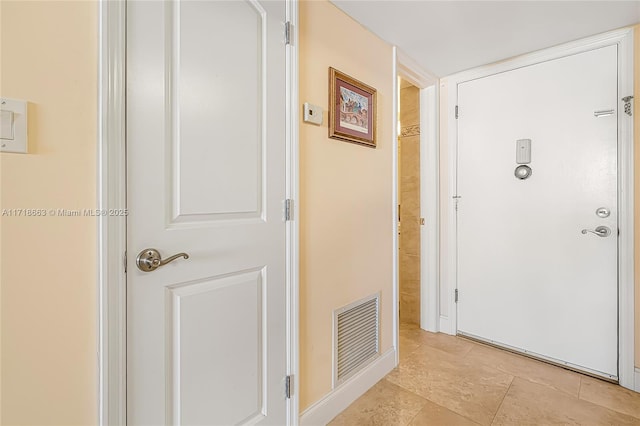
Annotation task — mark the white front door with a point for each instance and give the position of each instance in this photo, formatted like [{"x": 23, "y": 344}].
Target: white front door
[
  {"x": 206, "y": 335},
  {"x": 529, "y": 277}
]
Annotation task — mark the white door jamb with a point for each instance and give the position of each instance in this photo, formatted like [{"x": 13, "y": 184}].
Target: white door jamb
[
  {"x": 293, "y": 226},
  {"x": 112, "y": 238},
  {"x": 394, "y": 206},
  {"x": 624, "y": 39},
  {"x": 430, "y": 209}
]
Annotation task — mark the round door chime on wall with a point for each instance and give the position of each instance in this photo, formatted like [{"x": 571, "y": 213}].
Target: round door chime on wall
[{"x": 523, "y": 157}]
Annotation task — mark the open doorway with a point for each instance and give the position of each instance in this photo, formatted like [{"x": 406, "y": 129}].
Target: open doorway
[
  {"x": 409, "y": 214},
  {"x": 417, "y": 196}
]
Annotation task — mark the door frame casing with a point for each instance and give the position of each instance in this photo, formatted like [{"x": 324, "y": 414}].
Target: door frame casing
[
  {"x": 112, "y": 194},
  {"x": 623, "y": 38},
  {"x": 111, "y": 231}
]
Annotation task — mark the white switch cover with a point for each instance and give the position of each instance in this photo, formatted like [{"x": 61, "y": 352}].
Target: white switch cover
[
  {"x": 6, "y": 125},
  {"x": 312, "y": 113},
  {"x": 13, "y": 125}
]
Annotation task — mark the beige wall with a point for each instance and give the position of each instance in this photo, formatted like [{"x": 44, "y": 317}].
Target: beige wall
[
  {"x": 409, "y": 200},
  {"x": 48, "y": 276},
  {"x": 636, "y": 114},
  {"x": 346, "y": 212}
]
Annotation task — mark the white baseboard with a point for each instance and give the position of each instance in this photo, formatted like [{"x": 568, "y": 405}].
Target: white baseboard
[
  {"x": 637, "y": 380},
  {"x": 445, "y": 326},
  {"x": 332, "y": 404}
]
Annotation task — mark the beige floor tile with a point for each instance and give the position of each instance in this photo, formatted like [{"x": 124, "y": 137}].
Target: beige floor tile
[
  {"x": 407, "y": 338},
  {"x": 434, "y": 414},
  {"x": 383, "y": 404},
  {"x": 446, "y": 380},
  {"x": 474, "y": 391},
  {"x": 529, "y": 403},
  {"x": 431, "y": 350},
  {"x": 444, "y": 342},
  {"x": 527, "y": 368},
  {"x": 407, "y": 347},
  {"x": 408, "y": 327},
  {"x": 611, "y": 396}
]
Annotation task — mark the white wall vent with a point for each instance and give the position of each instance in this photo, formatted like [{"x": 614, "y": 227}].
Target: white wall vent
[{"x": 356, "y": 342}]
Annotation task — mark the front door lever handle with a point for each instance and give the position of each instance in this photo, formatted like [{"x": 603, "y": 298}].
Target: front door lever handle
[
  {"x": 149, "y": 259},
  {"x": 600, "y": 231}
]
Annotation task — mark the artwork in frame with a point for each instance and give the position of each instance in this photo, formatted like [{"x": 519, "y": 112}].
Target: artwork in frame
[{"x": 352, "y": 109}]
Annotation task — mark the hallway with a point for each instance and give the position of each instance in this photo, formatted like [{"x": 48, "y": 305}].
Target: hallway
[{"x": 446, "y": 380}]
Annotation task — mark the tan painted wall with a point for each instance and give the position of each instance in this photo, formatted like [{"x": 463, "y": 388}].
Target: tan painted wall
[
  {"x": 48, "y": 277},
  {"x": 346, "y": 212},
  {"x": 636, "y": 111}
]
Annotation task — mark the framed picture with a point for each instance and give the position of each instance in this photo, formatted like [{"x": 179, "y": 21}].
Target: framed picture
[{"x": 352, "y": 109}]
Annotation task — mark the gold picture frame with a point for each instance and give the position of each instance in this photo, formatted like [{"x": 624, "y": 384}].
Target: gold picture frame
[{"x": 352, "y": 109}]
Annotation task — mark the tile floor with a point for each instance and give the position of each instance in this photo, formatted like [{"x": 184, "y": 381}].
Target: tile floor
[{"x": 446, "y": 380}]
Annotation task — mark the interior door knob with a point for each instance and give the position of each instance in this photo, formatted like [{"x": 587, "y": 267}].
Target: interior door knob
[
  {"x": 149, "y": 259},
  {"x": 600, "y": 231}
]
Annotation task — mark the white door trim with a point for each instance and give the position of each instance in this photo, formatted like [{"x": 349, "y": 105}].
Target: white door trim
[
  {"x": 624, "y": 39},
  {"x": 293, "y": 226},
  {"x": 112, "y": 305},
  {"x": 411, "y": 71},
  {"x": 394, "y": 206},
  {"x": 112, "y": 237},
  {"x": 430, "y": 208}
]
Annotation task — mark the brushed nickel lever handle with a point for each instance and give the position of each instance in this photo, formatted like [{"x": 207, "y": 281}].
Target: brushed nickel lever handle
[
  {"x": 149, "y": 259},
  {"x": 600, "y": 231}
]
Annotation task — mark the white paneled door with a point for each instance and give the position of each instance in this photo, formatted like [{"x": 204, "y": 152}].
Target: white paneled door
[
  {"x": 537, "y": 255},
  {"x": 206, "y": 97}
]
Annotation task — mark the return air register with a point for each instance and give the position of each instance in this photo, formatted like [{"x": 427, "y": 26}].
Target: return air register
[{"x": 356, "y": 342}]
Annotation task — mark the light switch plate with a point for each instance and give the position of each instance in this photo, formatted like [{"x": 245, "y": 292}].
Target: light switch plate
[
  {"x": 6, "y": 125},
  {"x": 13, "y": 126},
  {"x": 312, "y": 113}
]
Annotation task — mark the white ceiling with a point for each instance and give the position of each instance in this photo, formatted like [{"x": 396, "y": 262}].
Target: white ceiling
[{"x": 445, "y": 37}]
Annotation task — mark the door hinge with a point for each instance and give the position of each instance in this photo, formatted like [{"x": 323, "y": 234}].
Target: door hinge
[
  {"x": 288, "y": 209},
  {"x": 124, "y": 259},
  {"x": 287, "y": 32},
  {"x": 456, "y": 112},
  {"x": 627, "y": 105},
  {"x": 288, "y": 386},
  {"x": 456, "y": 295}
]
